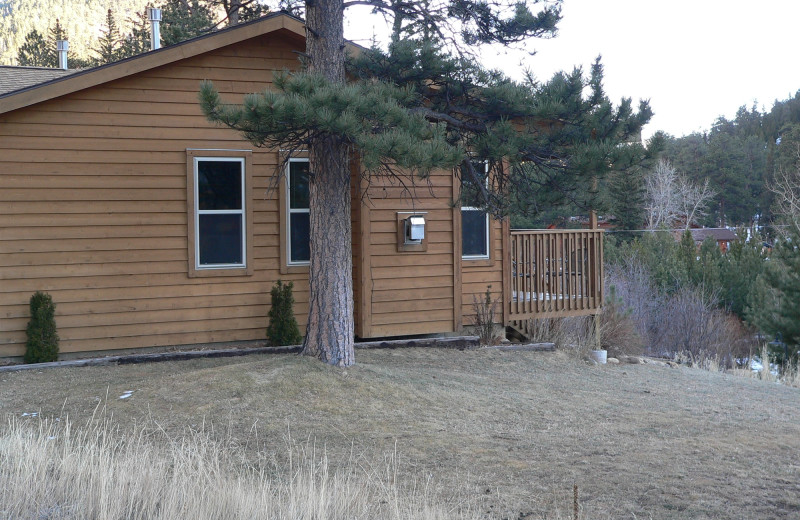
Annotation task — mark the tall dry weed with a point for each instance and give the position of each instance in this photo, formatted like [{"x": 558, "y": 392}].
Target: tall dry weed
[{"x": 53, "y": 470}]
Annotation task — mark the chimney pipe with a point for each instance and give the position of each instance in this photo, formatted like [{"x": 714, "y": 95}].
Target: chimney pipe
[
  {"x": 154, "y": 14},
  {"x": 62, "y": 46}
]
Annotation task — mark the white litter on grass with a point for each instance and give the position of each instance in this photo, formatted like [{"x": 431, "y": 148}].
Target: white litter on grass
[
  {"x": 31, "y": 414},
  {"x": 126, "y": 394}
]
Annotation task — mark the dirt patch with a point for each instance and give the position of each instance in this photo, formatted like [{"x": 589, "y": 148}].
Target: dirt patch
[{"x": 514, "y": 429}]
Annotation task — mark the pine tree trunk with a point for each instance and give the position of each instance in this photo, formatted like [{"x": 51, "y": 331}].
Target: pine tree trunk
[{"x": 329, "y": 334}]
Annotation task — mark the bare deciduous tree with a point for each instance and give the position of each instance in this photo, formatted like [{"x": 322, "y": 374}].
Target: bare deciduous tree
[{"x": 672, "y": 198}]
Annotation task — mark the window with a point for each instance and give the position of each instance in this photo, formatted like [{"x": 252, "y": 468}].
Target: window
[
  {"x": 220, "y": 217},
  {"x": 298, "y": 223},
  {"x": 474, "y": 220}
]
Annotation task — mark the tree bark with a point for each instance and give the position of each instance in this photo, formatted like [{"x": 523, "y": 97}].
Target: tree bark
[{"x": 329, "y": 333}]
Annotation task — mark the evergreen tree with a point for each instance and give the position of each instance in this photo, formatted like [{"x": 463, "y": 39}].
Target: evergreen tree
[
  {"x": 240, "y": 11},
  {"x": 283, "y": 328},
  {"x": 627, "y": 201},
  {"x": 108, "y": 46},
  {"x": 34, "y": 52},
  {"x": 42, "y": 344},
  {"x": 775, "y": 302},
  {"x": 54, "y": 34},
  {"x": 739, "y": 268},
  {"x": 414, "y": 108},
  {"x": 138, "y": 40},
  {"x": 185, "y": 19}
]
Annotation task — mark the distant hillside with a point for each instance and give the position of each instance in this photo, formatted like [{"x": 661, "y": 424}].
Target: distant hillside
[{"x": 82, "y": 19}]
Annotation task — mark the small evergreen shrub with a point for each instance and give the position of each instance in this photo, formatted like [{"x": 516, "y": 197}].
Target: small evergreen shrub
[
  {"x": 42, "y": 344},
  {"x": 283, "y": 329}
]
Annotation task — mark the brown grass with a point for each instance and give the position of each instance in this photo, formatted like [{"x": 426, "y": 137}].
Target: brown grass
[{"x": 505, "y": 434}]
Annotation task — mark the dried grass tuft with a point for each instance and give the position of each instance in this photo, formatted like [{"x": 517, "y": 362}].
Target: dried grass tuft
[{"x": 54, "y": 470}]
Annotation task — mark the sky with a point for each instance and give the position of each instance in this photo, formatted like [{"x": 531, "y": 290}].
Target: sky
[{"x": 695, "y": 60}]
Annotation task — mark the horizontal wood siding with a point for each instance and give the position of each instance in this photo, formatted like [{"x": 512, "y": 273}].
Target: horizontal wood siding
[
  {"x": 477, "y": 275},
  {"x": 411, "y": 292},
  {"x": 93, "y": 207}
]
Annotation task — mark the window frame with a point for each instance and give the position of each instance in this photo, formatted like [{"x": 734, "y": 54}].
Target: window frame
[
  {"x": 290, "y": 211},
  {"x": 244, "y": 158},
  {"x": 286, "y": 264},
  {"x": 488, "y": 234}
]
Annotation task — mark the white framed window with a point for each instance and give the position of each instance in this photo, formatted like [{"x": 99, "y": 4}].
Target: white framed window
[
  {"x": 220, "y": 234},
  {"x": 475, "y": 224},
  {"x": 298, "y": 224}
]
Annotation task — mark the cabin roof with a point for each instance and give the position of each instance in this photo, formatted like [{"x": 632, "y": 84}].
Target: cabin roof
[
  {"x": 32, "y": 85},
  {"x": 14, "y": 78},
  {"x": 718, "y": 234}
]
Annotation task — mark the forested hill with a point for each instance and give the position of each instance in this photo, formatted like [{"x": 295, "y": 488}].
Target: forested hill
[
  {"x": 740, "y": 157},
  {"x": 82, "y": 20}
]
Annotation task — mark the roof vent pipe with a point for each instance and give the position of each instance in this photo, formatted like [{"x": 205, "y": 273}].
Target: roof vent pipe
[
  {"x": 62, "y": 46},
  {"x": 154, "y": 14}
]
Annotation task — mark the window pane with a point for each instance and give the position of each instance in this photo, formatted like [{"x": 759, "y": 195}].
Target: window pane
[
  {"x": 300, "y": 233},
  {"x": 220, "y": 239},
  {"x": 298, "y": 185},
  {"x": 473, "y": 233},
  {"x": 219, "y": 185}
]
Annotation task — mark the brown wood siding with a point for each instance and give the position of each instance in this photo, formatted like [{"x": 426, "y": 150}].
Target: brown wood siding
[
  {"x": 93, "y": 205},
  {"x": 410, "y": 292},
  {"x": 476, "y": 275}
]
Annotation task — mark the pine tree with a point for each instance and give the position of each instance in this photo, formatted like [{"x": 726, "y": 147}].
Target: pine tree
[
  {"x": 108, "y": 46},
  {"x": 283, "y": 328},
  {"x": 627, "y": 200},
  {"x": 415, "y": 108},
  {"x": 42, "y": 344},
  {"x": 54, "y": 34},
  {"x": 739, "y": 268},
  {"x": 138, "y": 40},
  {"x": 34, "y": 52},
  {"x": 185, "y": 19},
  {"x": 775, "y": 301}
]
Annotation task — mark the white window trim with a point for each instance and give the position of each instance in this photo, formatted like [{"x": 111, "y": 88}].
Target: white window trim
[
  {"x": 290, "y": 211},
  {"x": 488, "y": 223},
  {"x": 197, "y": 212}
]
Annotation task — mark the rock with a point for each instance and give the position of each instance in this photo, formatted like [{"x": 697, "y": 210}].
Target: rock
[{"x": 612, "y": 361}]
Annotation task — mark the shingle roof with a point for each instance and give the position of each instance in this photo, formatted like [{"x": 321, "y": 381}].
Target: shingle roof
[
  {"x": 718, "y": 234},
  {"x": 16, "y": 78}
]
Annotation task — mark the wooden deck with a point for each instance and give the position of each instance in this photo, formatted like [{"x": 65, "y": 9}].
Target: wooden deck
[{"x": 554, "y": 274}]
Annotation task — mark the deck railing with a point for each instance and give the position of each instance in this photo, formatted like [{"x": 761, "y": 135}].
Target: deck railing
[{"x": 555, "y": 273}]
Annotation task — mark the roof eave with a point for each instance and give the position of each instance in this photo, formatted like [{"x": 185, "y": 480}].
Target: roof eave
[{"x": 92, "y": 77}]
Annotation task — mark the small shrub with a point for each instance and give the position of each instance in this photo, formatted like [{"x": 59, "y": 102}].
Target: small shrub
[
  {"x": 283, "y": 328},
  {"x": 42, "y": 344},
  {"x": 485, "y": 311},
  {"x": 617, "y": 330}
]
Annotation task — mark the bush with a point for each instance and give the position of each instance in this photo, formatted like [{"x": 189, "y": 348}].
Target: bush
[
  {"x": 617, "y": 329},
  {"x": 42, "y": 344},
  {"x": 283, "y": 329},
  {"x": 485, "y": 311}
]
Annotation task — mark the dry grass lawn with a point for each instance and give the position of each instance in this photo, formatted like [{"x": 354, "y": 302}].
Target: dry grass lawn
[{"x": 508, "y": 432}]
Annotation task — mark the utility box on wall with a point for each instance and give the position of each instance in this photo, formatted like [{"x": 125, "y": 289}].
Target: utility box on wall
[{"x": 411, "y": 231}]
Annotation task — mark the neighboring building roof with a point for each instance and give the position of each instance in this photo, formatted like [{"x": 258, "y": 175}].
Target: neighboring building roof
[
  {"x": 718, "y": 234},
  {"x": 16, "y": 78},
  {"x": 79, "y": 80}
]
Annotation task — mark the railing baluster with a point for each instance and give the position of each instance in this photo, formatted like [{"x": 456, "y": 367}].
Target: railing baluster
[{"x": 556, "y": 273}]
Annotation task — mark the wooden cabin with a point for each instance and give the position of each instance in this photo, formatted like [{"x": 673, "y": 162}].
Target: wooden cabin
[{"x": 110, "y": 202}]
